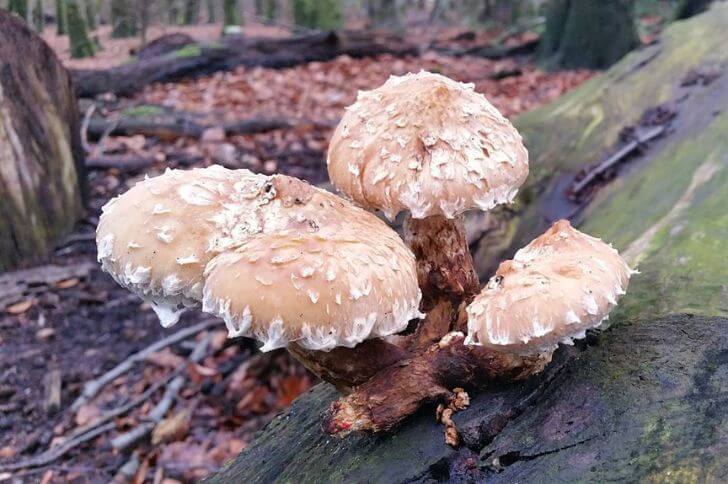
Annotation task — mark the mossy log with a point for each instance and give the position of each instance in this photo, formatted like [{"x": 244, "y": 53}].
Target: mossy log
[
  {"x": 643, "y": 400},
  {"x": 198, "y": 60},
  {"x": 41, "y": 160}
]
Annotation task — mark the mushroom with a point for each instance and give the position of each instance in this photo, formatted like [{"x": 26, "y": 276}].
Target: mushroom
[
  {"x": 553, "y": 290},
  {"x": 558, "y": 286},
  {"x": 435, "y": 148},
  {"x": 279, "y": 260}
]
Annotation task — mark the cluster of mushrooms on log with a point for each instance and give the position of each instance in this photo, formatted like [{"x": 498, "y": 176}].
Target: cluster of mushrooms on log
[{"x": 394, "y": 324}]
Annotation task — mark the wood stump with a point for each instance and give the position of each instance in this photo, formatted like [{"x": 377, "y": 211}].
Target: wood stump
[{"x": 41, "y": 160}]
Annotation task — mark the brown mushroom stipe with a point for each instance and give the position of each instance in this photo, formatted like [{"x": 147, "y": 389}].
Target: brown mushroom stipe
[
  {"x": 435, "y": 148},
  {"x": 277, "y": 259},
  {"x": 565, "y": 280}
]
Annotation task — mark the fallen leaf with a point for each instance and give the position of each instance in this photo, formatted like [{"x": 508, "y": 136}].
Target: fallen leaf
[
  {"x": 87, "y": 413},
  {"x": 173, "y": 428},
  {"x": 166, "y": 359},
  {"x": 7, "y": 451},
  {"x": 45, "y": 333},
  {"x": 20, "y": 307},
  {"x": 66, "y": 283}
]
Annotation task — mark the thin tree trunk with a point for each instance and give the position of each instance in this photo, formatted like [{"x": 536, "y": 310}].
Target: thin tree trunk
[
  {"x": 231, "y": 14},
  {"x": 191, "y": 12},
  {"x": 123, "y": 18},
  {"x": 38, "y": 20},
  {"x": 61, "y": 28},
  {"x": 19, "y": 8},
  {"x": 92, "y": 9},
  {"x": 81, "y": 44},
  {"x": 143, "y": 21}
]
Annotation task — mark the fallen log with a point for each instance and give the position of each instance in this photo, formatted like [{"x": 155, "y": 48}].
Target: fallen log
[
  {"x": 642, "y": 401},
  {"x": 15, "y": 285},
  {"x": 170, "y": 126},
  {"x": 196, "y": 60}
]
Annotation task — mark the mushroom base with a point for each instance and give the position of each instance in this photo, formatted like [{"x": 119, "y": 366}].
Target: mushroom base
[
  {"x": 346, "y": 368},
  {"x": 398, "y": 391}
]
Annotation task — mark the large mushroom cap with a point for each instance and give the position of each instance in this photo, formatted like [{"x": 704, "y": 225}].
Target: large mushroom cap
[
  {"x": 277, "y": 258},
  {"x": 427, "y": 144},
  {"x": 156, "y": 238},
  {"x": 558, "y": 286}
]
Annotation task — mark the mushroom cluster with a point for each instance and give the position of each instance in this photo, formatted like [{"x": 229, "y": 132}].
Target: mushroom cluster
[{"x": 294, "y": 266}]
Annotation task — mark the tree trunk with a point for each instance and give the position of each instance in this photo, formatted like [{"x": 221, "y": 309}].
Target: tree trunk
[
  {"x": 642, "y": 401},
  {"x": 383, "y": 13},
  {"x": 230, "y": 13},
  {"x": 211, "y": 13},
  {"x": 61, "y": 17},
  {"x": 318, "y": 14},
  {"x": 123, "y": 18},
  {"x": 191, "y": 12},
  {"x": 92, "y": 9},
  {"x": 38, "y": 19},
  {"x": 41, "y": 161},
  {"x": 143, "y": 21},
  {"x": 267, "y": 10},
  {"x": 588, "y": 33},
  {"x": 81, "y": 44},
  {"x": 19, "y": 8}
]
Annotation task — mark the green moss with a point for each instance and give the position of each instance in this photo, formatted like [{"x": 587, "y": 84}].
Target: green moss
[
  {"x": 191, "y": 50},
  {"x": 143, "y": 111}
]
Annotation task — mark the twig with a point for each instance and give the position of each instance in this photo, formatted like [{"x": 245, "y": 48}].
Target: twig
[
  {"x": 127, "y": 472},
  {"x": 56, "y": 452},
  {"x": 591, "y": 175},
  {"x": 84, "y": 128},
  {"x": 93, "y": 387},
  {"x": 52, "y": 386},
  {"x": 124, "y": 441}
]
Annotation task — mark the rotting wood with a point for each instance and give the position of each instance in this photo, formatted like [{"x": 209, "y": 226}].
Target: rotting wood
[{"x": 52, "y": 385}]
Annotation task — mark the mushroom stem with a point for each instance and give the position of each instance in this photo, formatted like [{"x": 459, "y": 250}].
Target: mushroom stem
[
  {"x": 444, "y": 263},
  {"x": 346, "y": 368},
  {"x": 396, "y": 392}
]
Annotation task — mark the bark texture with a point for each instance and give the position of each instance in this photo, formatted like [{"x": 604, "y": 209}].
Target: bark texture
[
  {"x": 641, "y": 401},
  {"x": 41, "y": 162}
]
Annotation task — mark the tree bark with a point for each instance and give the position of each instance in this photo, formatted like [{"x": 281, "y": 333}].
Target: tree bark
[
  {"x": 81, "y": 45},
  {"x": 123, "y": 18},
  {"x": 588, "y": 33},
  {"x": 41, "y": 161}
]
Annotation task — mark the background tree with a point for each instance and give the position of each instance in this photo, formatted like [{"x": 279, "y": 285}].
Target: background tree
[
  {"x": 688, "y": 8},
  {"x": 38, "y": 20},
  {"x": 383, "y": 13},
  {"x": 92, "y": 10},
  {"x": 19, "y": 7},
  {"x": 318, "y": 14},
  {"x": 211, "y": 11},
  {"x": 123, "y": 18},
  {"x": 267, "y": 10},
  {"x": 61, "y": 17},
  {"x": 231, "y": 14},
  {"x": 588, "y": 33},
  {"x": 81, "y": 44},
  {"x": 191, "y": 12}
]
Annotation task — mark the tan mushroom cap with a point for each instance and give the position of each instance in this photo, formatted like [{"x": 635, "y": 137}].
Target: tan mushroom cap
[
  {"x": 321, "y": 289},
  {"x": 558, "y": 286},
  {"x": 163, "y": 237},
  {"x": 156, "y": 238},
  {"x": 427, "y": 144}
]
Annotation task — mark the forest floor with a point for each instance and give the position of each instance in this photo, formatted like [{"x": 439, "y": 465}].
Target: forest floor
[{"x": 67, "y": 330}]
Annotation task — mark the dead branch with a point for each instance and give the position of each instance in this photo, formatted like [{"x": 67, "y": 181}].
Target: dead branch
[
  {"x": 56, "y": 452},
  {"x": 125, "y": 441},
  {"x": 641, "y": 137},
  {"x": 14, "y": 285},
  {"x": 93, "y": 387}
]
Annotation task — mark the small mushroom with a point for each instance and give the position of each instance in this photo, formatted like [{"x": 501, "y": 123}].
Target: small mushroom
[
  {"x": 554, "y": 289},
  {"x": 435, "y": 148},
  {"x": 276, "y": 258}
]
